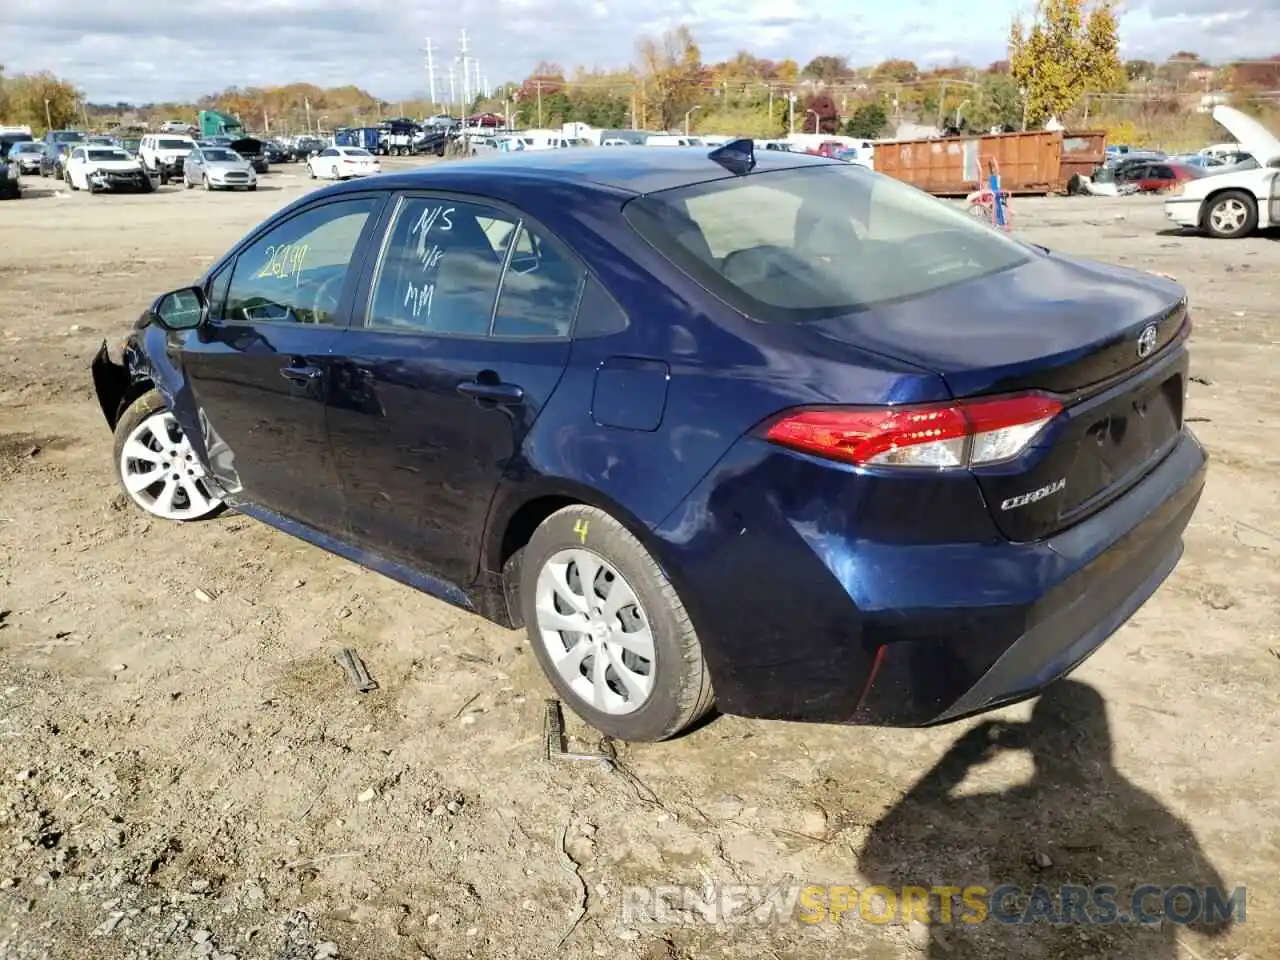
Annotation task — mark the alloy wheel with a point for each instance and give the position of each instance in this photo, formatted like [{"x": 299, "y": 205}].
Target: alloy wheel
[
  {"x": 162, "y": 473},
  {"x": 1229, "y": 215},
  {"x": 595, "y": 631}
]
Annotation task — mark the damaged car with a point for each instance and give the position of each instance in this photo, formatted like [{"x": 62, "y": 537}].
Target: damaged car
[
  {"x": 869, "y": 463},
  {"x": 1241, "y": 200},
  {"x": 106, "y": 170}
]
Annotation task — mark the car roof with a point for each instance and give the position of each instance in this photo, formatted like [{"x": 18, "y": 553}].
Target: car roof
[{"x": 633, "y": 171}]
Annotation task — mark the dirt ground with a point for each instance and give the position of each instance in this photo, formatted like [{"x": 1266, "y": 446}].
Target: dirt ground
[{"x": 185, "y": 771}]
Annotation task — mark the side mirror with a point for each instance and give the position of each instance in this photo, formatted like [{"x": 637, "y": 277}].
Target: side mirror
[{"x": 180, "y": 309}]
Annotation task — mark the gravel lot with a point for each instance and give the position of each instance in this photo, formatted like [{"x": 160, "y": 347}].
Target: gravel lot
[{"x": 187, "y": 773}]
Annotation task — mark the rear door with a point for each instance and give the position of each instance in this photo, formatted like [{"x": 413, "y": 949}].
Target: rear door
[
  {"x": 259, "y": 372},
  {"x": 459, "y": 339}
]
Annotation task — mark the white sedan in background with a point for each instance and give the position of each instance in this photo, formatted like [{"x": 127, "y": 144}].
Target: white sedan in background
[
  {"x": 340, "y": 163},
  {"x": 98, "y": 169}
]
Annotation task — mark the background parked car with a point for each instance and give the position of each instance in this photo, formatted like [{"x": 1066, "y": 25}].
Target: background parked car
[
  {"x": 340, "y": 163},
  {"x": 26, "y": 156},
  {"x": 51, "y": 161},
  {"x": 218, "y": 168}
]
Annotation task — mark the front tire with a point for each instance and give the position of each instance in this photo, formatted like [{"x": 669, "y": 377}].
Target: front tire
[
  {"x": 204, "y": 182},
  {"x": 156, "y": 465},
  {"x": 609, "y": 630},
  {"x": 1231, "y": 215}
]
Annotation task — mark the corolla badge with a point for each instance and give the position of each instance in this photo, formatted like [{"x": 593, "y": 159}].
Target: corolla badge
[
  {"x": 1147, "y": 341},
  {"x": 1048, "y": 490}
]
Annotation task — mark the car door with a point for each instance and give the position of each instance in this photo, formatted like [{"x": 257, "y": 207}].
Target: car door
[
  {"x": 459, "y": 338},
  {"x": 193, "y": 166},
  {"x": 75, "y": 168},
  {"x": 328, "y": 165},
  {"x": 258, "y": 371}
]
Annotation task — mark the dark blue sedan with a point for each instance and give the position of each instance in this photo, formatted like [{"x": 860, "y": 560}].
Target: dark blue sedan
[{"x": 766, "y": 430}]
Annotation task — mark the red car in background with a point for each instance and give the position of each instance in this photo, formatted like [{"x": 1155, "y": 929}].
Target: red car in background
[
  {"x": 828, "y": 148},
  {"x": 1158, "y": 175}
]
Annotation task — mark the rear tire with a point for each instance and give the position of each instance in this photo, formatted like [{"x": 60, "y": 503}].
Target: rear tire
[
  {"x": 668, "y": 686},
  {"x": 1230, "y": 215}
]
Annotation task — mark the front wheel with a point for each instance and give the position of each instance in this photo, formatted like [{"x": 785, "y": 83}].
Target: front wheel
[
  {"x": 609, "y": 630},
  {"x": 157, "y": 466},
  {"x": 311, "y": 171},
  {"x": 204, "y": 182},
  {"x": 1231, "y": 215}
]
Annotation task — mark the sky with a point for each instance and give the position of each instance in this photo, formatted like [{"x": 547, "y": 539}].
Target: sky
[{"x": 157, "y": 50}]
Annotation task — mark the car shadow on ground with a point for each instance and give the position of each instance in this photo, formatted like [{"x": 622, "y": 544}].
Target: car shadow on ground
[
  {"x": 1077, "y": 823},
  {"x": 1187, "y": 232}
]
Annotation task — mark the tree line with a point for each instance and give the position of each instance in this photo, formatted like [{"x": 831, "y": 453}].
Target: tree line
[{"x": 1059, "y": 58}]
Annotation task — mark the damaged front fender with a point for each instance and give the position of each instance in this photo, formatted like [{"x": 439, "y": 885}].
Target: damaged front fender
[{"x": 117, "y": 380}]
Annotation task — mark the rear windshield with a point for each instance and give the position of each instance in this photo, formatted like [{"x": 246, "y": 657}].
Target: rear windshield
[
  {"x": 818, "y": 241},
  {"x": 174, "y": 145},
  {"x": 357, "y": 152}
]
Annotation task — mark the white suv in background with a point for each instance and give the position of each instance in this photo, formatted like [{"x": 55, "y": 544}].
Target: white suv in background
[{"x": 163, "y": 154}]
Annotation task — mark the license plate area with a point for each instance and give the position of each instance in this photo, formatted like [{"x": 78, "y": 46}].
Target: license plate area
[{"x": 1131, "y": 433}]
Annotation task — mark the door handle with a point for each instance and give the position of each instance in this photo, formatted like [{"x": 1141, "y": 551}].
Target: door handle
[
  {"x": 301, "y": 374},
  {"x": 504, "y": 393}
]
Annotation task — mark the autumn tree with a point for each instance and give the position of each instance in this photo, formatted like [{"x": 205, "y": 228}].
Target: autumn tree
[
  {"x": 896, "y": 71},
  {"x": 995, "y": 103},
  {"x": 1139, "y": 69},
  {"x": 541, "y": 99},
  {"x": 40, "y": 99},
  {"x": 820, "y": 111},
  {"x": 1062, "y": 55},
  {"x": 672, "y": 76},
  {"x": 867, "y": 123},
  {"x": 1104, "y": 72},
  {"x": 827, "y": 68}
]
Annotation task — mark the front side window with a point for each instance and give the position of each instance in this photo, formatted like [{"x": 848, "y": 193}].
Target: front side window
[
  {"x": 818, "y": 241},
  {"x": 295, "y": 273}
]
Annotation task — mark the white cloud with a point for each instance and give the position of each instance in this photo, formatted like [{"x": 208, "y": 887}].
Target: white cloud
[{"x": 148, "y": 50}]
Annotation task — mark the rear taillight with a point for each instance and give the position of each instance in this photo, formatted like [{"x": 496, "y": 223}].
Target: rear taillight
[{"x": 955, "y": 435}]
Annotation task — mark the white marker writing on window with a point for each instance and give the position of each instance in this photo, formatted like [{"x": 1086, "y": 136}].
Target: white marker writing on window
[
  {"x": 419, "y": 299},
  {"x": 429, "y": 254}
]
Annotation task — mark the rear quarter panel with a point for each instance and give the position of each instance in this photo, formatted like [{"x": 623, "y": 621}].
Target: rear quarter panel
[{"x": 726, "y": 374}]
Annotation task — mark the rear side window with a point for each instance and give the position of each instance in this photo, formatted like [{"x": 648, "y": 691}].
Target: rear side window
[
  {"x": 818, "y": 241},
  {"x": 440, "y": 270}
]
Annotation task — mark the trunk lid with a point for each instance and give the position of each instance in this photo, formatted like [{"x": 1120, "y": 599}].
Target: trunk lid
[{"x": 1098, "y": 337}]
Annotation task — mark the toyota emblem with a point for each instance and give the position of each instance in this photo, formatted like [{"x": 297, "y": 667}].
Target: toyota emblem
[{"x": 1147, "y": 341}]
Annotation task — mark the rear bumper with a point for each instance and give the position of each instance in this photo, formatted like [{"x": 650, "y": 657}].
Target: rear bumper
[{"x": 802, "y": 623}]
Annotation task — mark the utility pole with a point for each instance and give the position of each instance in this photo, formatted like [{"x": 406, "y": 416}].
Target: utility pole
[
  {"x": 475, "y": 64},
  {"x": 538, "y": 84},
  {"x": 466, "y": 74},
  {"x": 453, "y": 96},
  {"x": 791, "y": 113},
  {"x": 306, "y": 104},
  {"x": 431, "y": 71}
]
